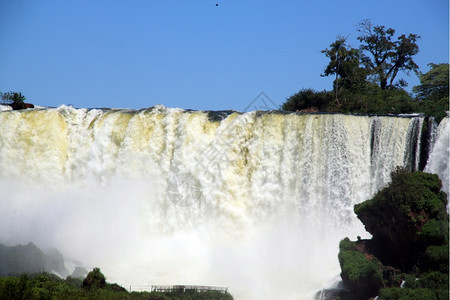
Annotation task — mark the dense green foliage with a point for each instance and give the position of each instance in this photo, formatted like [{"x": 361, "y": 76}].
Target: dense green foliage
[
  {"x": 409, "y": 224},
  {"x": 383, "y": 57},
  {"x": 46, "y": 286},
  {"x": 414, "y": 195},
  {"x": 413, "y": 294},
  {"x": 365, "y": 78},
  {"x": 434, "y": 84},
  {"x": 94, "y": 280},
  {"x": 308, "y": 98},
  {"x": 356, "y": 266},
  {"x": 344, "y": 64},
  {"x": 433, "y": 91}
]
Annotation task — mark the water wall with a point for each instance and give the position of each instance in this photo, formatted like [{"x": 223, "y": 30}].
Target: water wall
[
  {"x": 257, "y": 201},
  {"x": 438, "y": 160}
]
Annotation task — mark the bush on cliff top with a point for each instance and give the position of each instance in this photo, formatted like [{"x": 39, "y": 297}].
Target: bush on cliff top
[
  {"x": 409, "y": 213},
  {"x": 356, "y": 266},
  {"x": 409, "y": 223},
  {"x": 413, "y": 194}
]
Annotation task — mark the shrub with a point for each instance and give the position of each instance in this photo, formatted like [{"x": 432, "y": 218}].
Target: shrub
[
  {"x": 95, "y": 279},
  {"x": 409, "y": 294},
  {"x": 434, "y": 280},
  {"x": 306, "y": 98},
  {"x": 346, "y": 244},
  {"x": 434, "y": 232}
]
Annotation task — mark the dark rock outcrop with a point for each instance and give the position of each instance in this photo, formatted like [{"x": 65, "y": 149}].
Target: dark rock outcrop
[
  {"x": 409, "y": 224},
  {"x": 23, "y": 105},
  {"x": 15, "y": 260}
]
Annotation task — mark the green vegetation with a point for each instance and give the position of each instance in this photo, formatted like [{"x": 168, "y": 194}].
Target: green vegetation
[
  {"x": 433, "y": 91},
  {"x": 413, "y": 294},
  {"x": 357, "y": 266},
  {"x": 308, "y": 98},
  {"x": 365, "y": 78},
  {"x": 383, "y": 57},
  {"x": 13, "y": 98},
  {"x": 363, "y": 276},
  {"x": 45, "y": 286},
  {"x": 409, "y": 224}
]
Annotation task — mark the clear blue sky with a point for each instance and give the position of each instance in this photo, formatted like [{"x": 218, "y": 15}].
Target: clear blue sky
[{"x": 191, "y": 54}]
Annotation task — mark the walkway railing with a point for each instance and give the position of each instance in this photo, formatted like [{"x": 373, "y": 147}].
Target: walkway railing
[{"x": 188, "y": 288}]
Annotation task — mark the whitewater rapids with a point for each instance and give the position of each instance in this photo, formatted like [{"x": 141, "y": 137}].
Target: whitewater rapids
[{"x": 257, "y": 201}]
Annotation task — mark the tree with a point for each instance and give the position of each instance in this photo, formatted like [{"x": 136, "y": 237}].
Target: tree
[
  {"x": 387, "y": 57},
  {"x": 434, "y": 84},
  {"x": 344, "y": 63},
  {"x": 306, "y": 98},
  {"x": 13, "y": 98},
  {"x": 95, "y": 279},
  {"x": 433, "y": 92}
]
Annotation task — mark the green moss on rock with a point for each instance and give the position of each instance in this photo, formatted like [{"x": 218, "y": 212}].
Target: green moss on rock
[
  {"x": 434, "y": 232},
  {"x": 409, "y": 213},
  {"x": 346, "y": 244},
  {"x": 409, "y": 223},
  {"x": 360, "y": 273}
]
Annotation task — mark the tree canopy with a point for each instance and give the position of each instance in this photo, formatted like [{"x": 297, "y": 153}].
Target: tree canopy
[
  {"x": 344, "y": 64},
  {"x": 434, "y": 84},
  {"x": 13, "y": 97},
  {"x": 383, "y": 56},
  {"x": 433, "y": 92},
  {"x": 366, "y": 77}
]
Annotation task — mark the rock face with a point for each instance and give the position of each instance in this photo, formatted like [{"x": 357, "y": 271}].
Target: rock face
[
  {"x": 310, "y": 109},
  {"x": 15, "y": 260},
  {"x": 409, "y": 224},
  {"x": 16, "y": 106},
  {"x": 79, "y": 272}
]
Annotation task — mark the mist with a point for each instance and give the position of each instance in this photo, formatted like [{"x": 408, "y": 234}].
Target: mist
[{"x": 255, "y": 203}]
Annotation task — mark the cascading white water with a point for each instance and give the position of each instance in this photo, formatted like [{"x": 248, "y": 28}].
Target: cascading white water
[
  {"x": 257, "y": 202},
  {"x": 438, "y": 161}
]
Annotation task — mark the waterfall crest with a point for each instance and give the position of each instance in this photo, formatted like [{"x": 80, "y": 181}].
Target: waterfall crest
[{"x": 246, "y": 200}]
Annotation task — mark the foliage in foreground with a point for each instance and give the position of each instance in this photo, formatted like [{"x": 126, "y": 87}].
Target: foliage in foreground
[{"x": 94, "y": 287}]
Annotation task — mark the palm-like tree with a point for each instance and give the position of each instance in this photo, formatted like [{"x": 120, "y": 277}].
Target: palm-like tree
[
  {"x": 337, "y": 54},
  {"x": 13, "y": 98}
]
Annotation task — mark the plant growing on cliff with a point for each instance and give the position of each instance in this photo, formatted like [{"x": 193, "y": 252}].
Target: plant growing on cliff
[
  {"x": 409, "y": 224},
  {"x": 13, "y": 98}
]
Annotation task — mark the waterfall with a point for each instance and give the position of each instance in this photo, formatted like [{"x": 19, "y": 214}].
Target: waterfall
[
  {"x": 438, "y": 160},
  {"x": 254, "y": 201}
]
